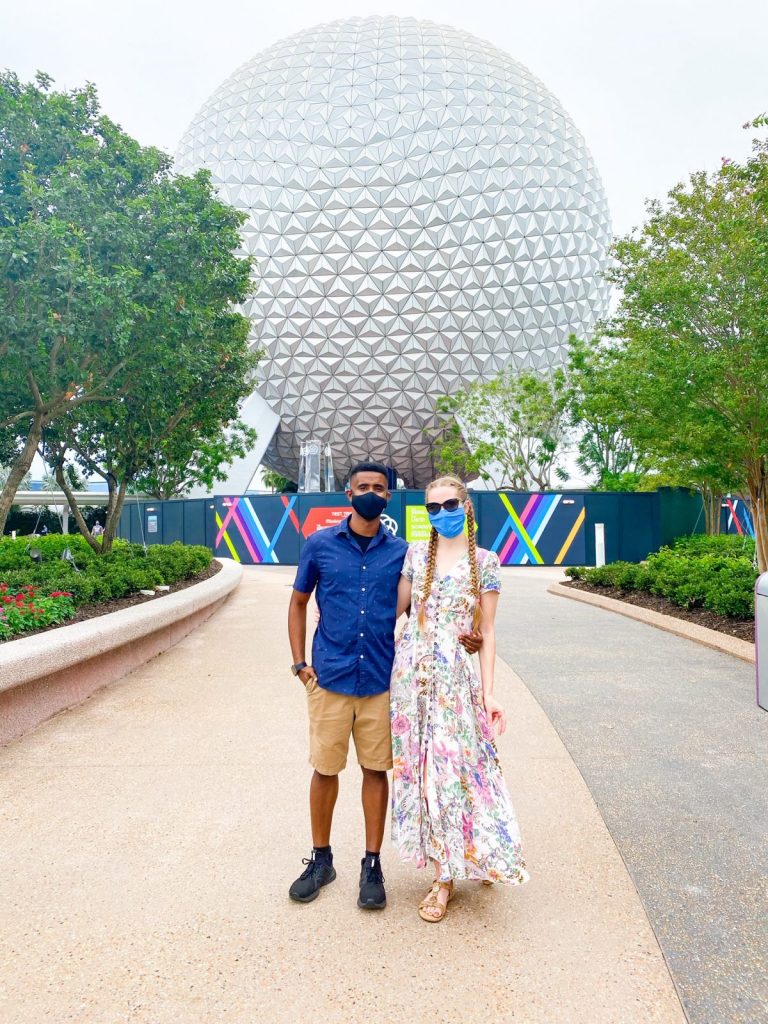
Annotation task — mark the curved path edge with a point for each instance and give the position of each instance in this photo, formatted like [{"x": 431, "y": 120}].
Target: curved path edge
[
  {"x": 44, "y": 674},
  {"x": 711, "y": 638}
]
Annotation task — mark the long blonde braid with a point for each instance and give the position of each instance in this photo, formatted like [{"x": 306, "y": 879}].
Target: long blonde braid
[
  {"x": 429, "y": 576},
  {"x": 474, "y": 571}
]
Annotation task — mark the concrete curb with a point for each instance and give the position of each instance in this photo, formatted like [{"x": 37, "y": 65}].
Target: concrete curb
[
  {"x": 711, "y": 638},
  {"x": 43, "y": 674}
]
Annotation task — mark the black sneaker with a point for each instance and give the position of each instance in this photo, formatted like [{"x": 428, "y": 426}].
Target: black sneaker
[
  {"x": 372, "y": 895},
  {"x": 309, "y": 883}
]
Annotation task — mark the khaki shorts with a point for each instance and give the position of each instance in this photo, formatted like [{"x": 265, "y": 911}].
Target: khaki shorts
[{"x": 333, "y": 717}]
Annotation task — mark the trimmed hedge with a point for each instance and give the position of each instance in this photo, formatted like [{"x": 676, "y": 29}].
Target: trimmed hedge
[
  {"x": 724, "y": 544},
  {"x": 88, "y": 577},
  {"x": 709, "y": 572}
]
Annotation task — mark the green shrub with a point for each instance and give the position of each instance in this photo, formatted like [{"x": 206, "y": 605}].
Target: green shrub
[
  {"x": 721, "y": 579},
  {"x": 624, "y": 575},
  {"x": 576, "y": 572},
  {"x": 724, "y": 544},
  {"x": 125, "y": 570}
]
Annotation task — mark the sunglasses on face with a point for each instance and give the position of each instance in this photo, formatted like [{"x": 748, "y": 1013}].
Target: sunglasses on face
[{"x": 433, "y": 507}]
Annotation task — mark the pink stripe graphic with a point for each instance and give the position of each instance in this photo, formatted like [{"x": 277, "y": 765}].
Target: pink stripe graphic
[
  {"x": 227, "y": 518},
  {"x": 244, "y": 534},
  {"x": 524, "y": 517}
]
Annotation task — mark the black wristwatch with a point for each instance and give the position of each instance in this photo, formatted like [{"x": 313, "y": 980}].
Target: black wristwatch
[{"x": 297, "y": 668}]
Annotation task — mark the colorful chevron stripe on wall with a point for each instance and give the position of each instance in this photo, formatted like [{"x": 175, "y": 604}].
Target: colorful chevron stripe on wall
[
  {"x": 241, "y": 517},
  {"x": 517, "y": 540},
  {"x": 739, "y": 518}
]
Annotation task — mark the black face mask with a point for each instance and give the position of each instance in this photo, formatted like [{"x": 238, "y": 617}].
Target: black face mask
[{"x": 369, "y": 505}]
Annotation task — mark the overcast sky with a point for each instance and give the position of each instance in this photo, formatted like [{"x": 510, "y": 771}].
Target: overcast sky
[{"x": 657, "y": 87}]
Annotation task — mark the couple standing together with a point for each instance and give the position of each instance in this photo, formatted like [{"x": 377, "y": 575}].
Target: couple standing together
[{"x": 415, "y": 705}]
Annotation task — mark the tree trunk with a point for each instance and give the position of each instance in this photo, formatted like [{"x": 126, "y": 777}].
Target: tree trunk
[
  {"x": 19, "y": 468},
  {"x": 712, "y": 503},
  {"x": 114, "y": 511},
  {"x": 81, "y": 523},
  {"x": 758, "y": 493}
]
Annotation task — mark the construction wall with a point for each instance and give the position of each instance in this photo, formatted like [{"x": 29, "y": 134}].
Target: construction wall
[{"x": 549, "y": 528}]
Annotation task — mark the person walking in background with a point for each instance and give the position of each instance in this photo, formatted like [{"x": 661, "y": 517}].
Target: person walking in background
[
  {"x": 450, "y": 804},
  {"x": 355, "y": 570}
]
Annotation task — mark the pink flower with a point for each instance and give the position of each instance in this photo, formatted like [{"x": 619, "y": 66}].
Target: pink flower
[{"x": 400, "y": 725}]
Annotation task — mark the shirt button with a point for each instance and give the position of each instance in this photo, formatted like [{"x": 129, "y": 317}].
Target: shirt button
[
  {"x": 363, "y": 567},
  {"x": 363, "y": 589},
  {"x": 361, "y": 657},
  {"x": 362, "y": 612}
]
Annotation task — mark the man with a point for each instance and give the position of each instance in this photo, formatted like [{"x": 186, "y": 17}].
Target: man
[{"x": 355, "y": 567}]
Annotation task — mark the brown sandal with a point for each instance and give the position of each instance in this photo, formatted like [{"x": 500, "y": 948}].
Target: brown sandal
[{"x": 431, "y": 901}]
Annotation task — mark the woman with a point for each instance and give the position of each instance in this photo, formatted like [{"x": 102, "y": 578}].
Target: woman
[{"x": 449, "y": 801}]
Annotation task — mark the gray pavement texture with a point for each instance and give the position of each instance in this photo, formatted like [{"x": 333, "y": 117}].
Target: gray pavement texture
[
  {"x": 668, "y": 737},
  {"x": 148, "y": 838}
]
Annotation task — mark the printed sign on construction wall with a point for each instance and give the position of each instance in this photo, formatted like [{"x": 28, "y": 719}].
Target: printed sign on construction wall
[
  {"x": 416, "y": 523},
  {"x": 321, "y": 517}
]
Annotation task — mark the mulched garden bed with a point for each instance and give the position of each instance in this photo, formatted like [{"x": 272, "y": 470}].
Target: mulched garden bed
[
  {"x": 93, "y": 611},
  {"x": 744, "y": 629}
]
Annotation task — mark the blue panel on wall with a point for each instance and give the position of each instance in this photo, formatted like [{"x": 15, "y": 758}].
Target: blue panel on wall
[{"x": 173, "y": 521}]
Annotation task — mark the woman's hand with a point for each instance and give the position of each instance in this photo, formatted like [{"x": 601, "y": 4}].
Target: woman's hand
[{"x": 497, "y": 716}]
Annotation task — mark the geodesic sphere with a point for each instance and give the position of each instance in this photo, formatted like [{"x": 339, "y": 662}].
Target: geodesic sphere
[{"x": 424, "y": 213}]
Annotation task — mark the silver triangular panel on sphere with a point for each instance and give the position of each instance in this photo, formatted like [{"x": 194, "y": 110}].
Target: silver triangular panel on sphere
[{"x": 422, "y": 211}]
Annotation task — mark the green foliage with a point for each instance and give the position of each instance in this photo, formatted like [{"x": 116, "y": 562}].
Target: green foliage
[
  {"x": 690, "y": 382},
  {"x": 123, "y": 571},
  {"x": 276, "y": 481},
  {"x": 119, "y": 336},
  {"x": 509, "y": 429},
  {"x": 698, "y": 572},
  {"x": 70, "y": 253},
  {"x": 595, "y": 409},
  {"x": 726, "y": 545}
]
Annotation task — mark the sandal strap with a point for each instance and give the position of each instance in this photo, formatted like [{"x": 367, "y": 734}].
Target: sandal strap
[{"x": 431, "y": 900}]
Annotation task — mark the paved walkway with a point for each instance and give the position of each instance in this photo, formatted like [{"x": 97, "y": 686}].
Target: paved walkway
[
  {"x": 148, "y": 838},
  {"x": 674, "y": 749}
]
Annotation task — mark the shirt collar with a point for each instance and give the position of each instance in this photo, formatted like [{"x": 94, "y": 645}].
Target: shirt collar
[{"x": 343, "y": 528}]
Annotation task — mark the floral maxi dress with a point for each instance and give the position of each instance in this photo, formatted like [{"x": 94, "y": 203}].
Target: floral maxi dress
[{"x": 449, "y": 799}]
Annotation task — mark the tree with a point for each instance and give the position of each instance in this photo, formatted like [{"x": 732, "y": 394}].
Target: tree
[
  {"x": 197, "y": 457},
  {"x": 509, "y": 429},
  {"x": 69, "y": 255},
  {"x": 595, "y": 409},
  {"x": 119, "y": 341},
  {"x": 692, "y": 325},
  {"x": 166, "y": 425},
  {"x": 277, "y": 482}
]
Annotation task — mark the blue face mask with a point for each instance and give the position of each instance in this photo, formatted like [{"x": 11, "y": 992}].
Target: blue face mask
[{"x": 449, "y": 524}]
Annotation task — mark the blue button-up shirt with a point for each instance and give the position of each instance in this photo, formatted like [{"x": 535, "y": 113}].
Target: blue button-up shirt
[{"x": 354, "y": 644}]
